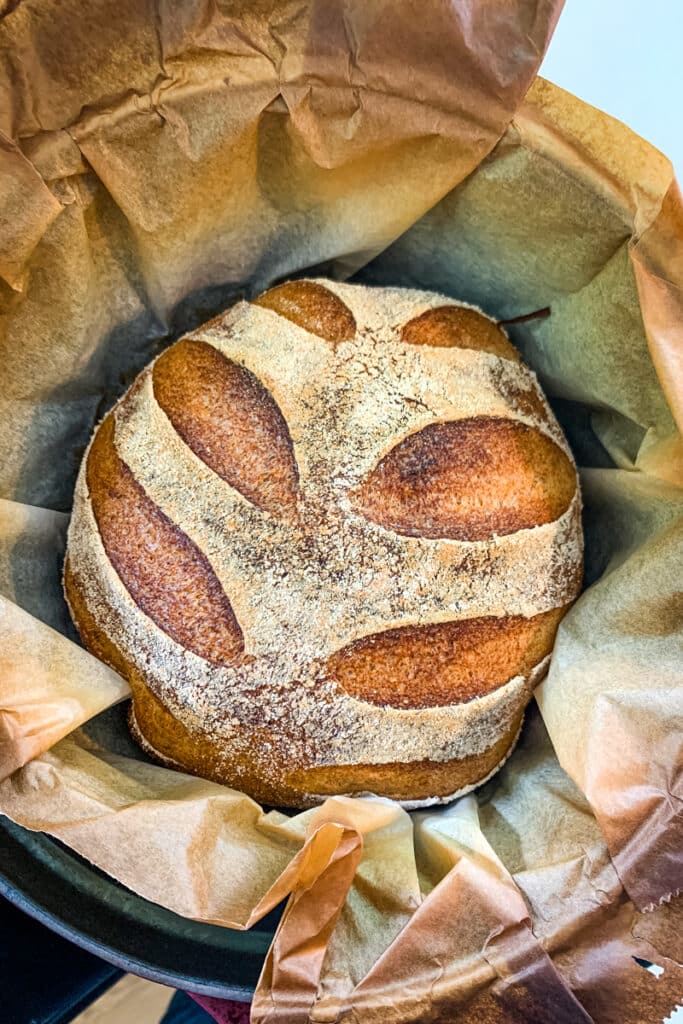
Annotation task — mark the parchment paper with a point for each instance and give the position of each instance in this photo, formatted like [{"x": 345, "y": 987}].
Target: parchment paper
[
  {"x": 196, "y": 153},
  {"x": 552, "y": 218}
]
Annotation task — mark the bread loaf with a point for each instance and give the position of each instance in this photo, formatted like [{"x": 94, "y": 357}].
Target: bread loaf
[{"x": 328, "y": 538}]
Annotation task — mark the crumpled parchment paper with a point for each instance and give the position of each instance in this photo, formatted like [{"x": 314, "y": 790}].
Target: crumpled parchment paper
[{"x": 199, "y": 152}]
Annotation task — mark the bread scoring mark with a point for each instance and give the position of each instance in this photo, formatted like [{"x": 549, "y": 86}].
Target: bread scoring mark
[
  {"x": 383, "y": 312},
  {"x": 346, "y": 408},
  {"x": 312, "y": 306},
  {"x": 458, "y": 327},
  {"x": 469, "y": 479},
  {"x": 443, "y": 663},
  {"x": 420, "y": 582},
  {"x": 229, "y": 420},
  {"x": 328, "y": 574},
  {"x": 338, "y": 727},
  {"x": 167, "y": 575}
]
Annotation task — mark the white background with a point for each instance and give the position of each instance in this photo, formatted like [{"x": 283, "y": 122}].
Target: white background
[{"x": 626, "y": 57}]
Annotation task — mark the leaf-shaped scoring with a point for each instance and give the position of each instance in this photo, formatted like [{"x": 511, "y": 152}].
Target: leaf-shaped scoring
[
  {"x": 166, "y": 574},
  {"x": 443, "y": 663},
  {"x": 312, "y": 306},
  {"x": 458, "y": 327},
  {"x": 469, "y": 479},
  {"x": 229, "y": 420}
]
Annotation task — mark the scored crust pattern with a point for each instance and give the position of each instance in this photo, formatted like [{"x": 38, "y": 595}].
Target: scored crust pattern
[{"x": 330, "y": 529}]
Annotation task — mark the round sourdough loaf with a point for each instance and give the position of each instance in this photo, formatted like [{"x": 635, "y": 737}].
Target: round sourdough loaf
[{"x": 328, "y": 538}]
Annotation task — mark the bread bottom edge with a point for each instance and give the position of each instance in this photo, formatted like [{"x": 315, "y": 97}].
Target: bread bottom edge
[
  {"x": 411, "y": 784},
  {"x": 305, "y": 800}
]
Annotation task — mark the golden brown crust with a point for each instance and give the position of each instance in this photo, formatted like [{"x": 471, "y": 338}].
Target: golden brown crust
[
  {"x": 170, "y": 742},
  {"x": 443, "y": 663},
  {"x": 528, "y": 403},
  {"x": 167, "y": 575},
  {"x": 93, "y": 636},
  {"x": 229, "y": 420},
  {"x": 156, "y": 537},
  {"x": 469, "y": 480},
  {"x": 162, "y": 735},
  {"x": 313, "y": 307},
  {"x": 411, "y": 781},
  {"x": 458, "y": 327},
  {"x": 166, "y": 740}
]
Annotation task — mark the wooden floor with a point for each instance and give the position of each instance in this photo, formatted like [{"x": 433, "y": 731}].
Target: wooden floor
[{"x": 130, "y": 1001}]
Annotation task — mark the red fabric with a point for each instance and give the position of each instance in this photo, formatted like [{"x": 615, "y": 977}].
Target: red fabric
[{"x": 225, "y": 1011}]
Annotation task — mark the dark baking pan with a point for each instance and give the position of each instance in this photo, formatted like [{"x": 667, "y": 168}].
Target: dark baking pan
[{"x": 53, "y": 884}]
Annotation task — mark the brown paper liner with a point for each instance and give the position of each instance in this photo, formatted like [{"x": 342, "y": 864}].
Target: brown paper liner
[
  {"x": 36, "y": 711},
  {"x": 197, "y": 153},
  {"x": 612, "y": 700}
]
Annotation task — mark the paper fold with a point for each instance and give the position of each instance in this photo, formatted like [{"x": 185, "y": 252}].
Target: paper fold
[{"x": 199, "y": 154}]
